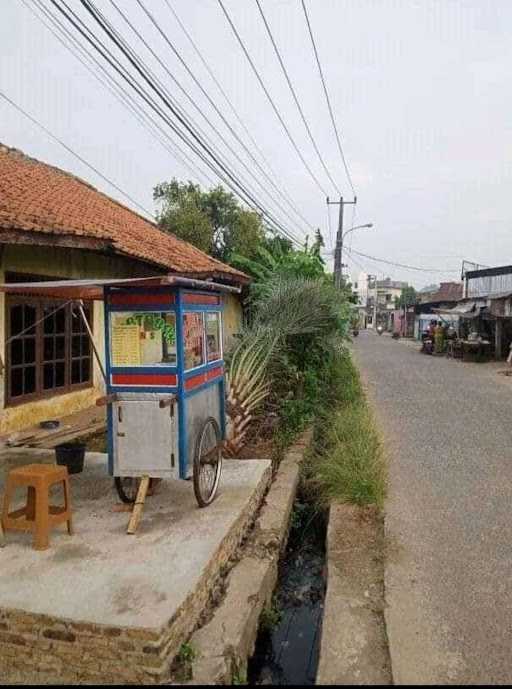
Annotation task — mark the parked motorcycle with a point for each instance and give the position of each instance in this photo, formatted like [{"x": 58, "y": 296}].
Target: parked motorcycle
[{"x": 380, "y": 330}]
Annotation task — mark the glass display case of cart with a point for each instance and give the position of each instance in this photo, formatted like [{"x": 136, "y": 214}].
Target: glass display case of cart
[{"x": 143, "y": 338}]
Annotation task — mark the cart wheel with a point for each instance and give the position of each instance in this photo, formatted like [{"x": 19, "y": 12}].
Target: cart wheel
[{"x": 207, "y": 462}]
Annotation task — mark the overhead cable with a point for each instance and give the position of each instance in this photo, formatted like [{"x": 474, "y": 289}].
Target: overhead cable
[
  {"x": 195, "y": 105},
  {"x": 177, "y": 111},
  {"x": 195, "y": 142},
  {"x": 400, "y": 265},
  {"x": 74, "y": 153},
  {"x": 62, "y": 34},
  {"x": 331, "y": 113},
  {"x": 220, "y": 114},
  {"x": 270, "y": 100},
  {"x": 230, "y": 105},
  {"x": 295, "y": 98}
]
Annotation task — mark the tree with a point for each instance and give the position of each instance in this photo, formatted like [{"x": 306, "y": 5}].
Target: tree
[
  {"x": 213, "y": 220},
  {"x": 407, "y": 298}
]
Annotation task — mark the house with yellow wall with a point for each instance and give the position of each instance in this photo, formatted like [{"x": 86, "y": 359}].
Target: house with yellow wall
[{"x": 54, "y": 225}]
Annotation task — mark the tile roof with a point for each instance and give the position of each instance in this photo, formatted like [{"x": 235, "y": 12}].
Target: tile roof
[
  {"x": 39, "y": 198},
  {"x": 448, "y": 291}
]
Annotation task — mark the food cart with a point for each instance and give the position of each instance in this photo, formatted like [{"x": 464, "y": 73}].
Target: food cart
[
  {"x": 165, "y": 385},
  {"x": 164, "y": 377}
]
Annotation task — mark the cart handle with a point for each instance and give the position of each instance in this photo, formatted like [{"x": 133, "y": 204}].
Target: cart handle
[
  {"x": 167, "y": 402},
  {"x": 107, "y": 399}
]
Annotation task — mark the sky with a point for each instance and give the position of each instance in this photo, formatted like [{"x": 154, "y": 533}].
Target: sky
[{"x": 421, "y": 92}]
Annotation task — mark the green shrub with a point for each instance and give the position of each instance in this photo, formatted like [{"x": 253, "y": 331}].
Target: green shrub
[{"x": 346, "y": 463}]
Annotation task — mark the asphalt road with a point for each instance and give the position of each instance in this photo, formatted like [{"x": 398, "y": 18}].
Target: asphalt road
[{"x": 447, "y": 428}]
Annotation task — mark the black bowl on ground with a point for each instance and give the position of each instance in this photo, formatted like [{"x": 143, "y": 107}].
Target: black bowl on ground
[
  {"x": 71, "y": 455},
  {"x": 51, "y": 423}
]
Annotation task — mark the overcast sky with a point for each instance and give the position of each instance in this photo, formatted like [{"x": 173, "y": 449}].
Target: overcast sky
[{"x": 421, "y": 91}]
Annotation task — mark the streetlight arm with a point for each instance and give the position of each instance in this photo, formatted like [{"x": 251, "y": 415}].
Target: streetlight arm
[{"x": 357, "y": 227}]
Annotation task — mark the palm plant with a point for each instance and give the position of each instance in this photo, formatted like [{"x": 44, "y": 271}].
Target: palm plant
[
  {"x": 247, "y": 387},
  {"x": 290, "y": 309}
]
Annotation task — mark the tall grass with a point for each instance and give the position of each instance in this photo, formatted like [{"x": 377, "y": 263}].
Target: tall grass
[{"x": 346, "y": 463}]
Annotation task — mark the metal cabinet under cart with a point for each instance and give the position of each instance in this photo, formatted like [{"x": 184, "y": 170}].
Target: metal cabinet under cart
[{"x": 165, "y": 385}]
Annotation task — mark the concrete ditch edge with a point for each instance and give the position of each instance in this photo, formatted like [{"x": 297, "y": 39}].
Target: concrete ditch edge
[
  {"x": 224, "y": 644},
  {"x": 354, "y": 647}
]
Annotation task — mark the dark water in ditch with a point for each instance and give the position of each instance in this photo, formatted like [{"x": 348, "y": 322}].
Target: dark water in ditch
[{"x": 288, "y": 642}]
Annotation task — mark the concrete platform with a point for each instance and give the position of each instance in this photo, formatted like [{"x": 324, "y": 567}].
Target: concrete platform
[{"x": 157, "y": 580}]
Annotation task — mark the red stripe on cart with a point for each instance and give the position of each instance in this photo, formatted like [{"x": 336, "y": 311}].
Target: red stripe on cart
[
  {"x": 144, "y": 379},
  {"x": 214, "y": 373},
  {"x": 130, "y": 299},
  {"x": 202, "y": 378},
  {"x": 201, "y": 299}
]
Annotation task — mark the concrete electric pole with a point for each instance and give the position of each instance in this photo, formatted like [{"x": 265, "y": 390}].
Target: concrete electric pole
[{"x": 339, "y": 238}]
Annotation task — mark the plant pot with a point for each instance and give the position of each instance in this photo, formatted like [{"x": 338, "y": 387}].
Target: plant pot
[{"x": 71, "y": 455}]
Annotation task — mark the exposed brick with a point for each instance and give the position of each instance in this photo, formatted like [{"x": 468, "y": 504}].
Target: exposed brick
[
  {"x": 127, "y": 646},
  {"x": 9, "y": 637},
  {"x": 59, "y": 635}
]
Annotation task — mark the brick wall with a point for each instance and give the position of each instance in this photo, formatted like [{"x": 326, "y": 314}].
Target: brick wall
[{"x": 44, "y": 649}]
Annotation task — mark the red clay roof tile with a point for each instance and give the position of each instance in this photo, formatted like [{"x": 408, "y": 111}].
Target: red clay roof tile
[{"x": 40, "y": 198}]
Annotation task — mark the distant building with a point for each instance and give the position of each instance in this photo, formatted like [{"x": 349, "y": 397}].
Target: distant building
[{"x": 387, "y": 292}]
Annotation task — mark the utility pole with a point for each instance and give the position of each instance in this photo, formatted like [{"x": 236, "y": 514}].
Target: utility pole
[{"x": 339, "y": 238}]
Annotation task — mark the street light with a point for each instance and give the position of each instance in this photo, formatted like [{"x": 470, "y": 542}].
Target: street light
[
  {"x": 357, "y": 227},
  {"x": 351, "y": 229}
]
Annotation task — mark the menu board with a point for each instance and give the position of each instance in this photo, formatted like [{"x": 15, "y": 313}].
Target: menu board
[{"x": 125, "y": 345}]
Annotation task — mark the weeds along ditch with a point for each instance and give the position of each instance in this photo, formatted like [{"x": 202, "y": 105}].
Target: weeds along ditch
[
  {"x": 288, "y": 641},
  {"x": 344, "y": 464}
]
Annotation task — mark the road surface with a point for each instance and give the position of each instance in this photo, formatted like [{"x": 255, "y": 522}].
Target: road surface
[{"x": 447, "y": 428}]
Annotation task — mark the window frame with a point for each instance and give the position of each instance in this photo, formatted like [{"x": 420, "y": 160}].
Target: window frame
[
  {"x": 204, "y": 363},
  {"x": 221, "y": 339},
  {"x": 40, "y": 303}
]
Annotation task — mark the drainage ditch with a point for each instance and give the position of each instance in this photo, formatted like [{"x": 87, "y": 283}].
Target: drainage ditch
[{"x": 288, "y": 642}]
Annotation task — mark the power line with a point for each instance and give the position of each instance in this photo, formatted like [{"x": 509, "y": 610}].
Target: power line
[
  {"x": 196, "y": 144},
  {"x": 117, "y": 90},
  {"x": 230, "y": 105},
  {"x": 196, "y": 106},
  {"x": 331, "y": 113},
  {"x": 74, "y": 153},
  {"x": 181, "y": 115},
  {"x": 295, "y": 98},
  {"x": 400, "y": 265},
  {"x": 270, "y": 99}
]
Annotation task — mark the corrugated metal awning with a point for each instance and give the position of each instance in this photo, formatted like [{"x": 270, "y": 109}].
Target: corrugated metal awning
[
  {"x": 469, "y": 309},
  {"x": 93, "y": 289}
]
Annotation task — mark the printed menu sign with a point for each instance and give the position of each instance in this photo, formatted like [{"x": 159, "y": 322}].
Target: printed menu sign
[{"x": 125, "y": 345}]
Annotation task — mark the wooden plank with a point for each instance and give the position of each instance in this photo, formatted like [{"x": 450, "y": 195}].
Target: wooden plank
[
  {"x": 67, "y": 434},
  {"x": 139, "y": 505}
]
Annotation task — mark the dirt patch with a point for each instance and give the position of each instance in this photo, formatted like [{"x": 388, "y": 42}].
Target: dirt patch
[{"x": 262, "y": 449}]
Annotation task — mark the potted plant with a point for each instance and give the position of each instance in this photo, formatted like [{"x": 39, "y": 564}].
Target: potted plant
[{"x": 71, "y": 455}]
